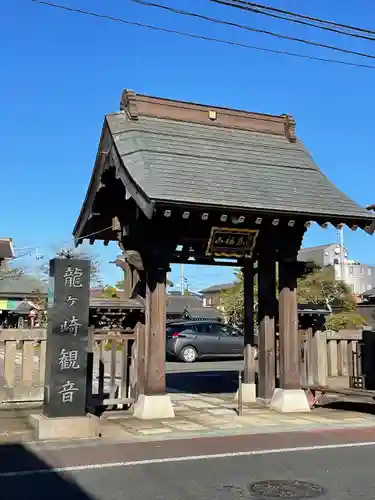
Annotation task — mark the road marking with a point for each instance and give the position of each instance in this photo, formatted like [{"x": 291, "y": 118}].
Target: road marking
[{"x": 190, "y": 458}]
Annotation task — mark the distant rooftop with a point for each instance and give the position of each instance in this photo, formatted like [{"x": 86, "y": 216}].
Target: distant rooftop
[
  {"x": 23, "y": 285},
  {"x": 176, "y": 304},
  {"x": 6, "y": 248},
  {"x": 217, "y": 288}
]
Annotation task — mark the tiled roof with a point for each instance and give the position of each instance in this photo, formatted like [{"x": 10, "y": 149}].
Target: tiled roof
[
  {"x": 23, "y": 285},
  {"x": 197, "y": 163},
  {"x": 217, "y": 288},
  {"x": 370, "y": 294},
  {"x": 176, "y": 304},
  {"x": 203, "y": 313}
]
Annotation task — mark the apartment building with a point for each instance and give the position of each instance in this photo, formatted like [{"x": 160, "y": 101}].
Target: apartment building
[{"x": 360, "y": 277}]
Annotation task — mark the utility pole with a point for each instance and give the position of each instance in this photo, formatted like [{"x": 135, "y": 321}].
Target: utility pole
[{"x": 182, "y": 279}]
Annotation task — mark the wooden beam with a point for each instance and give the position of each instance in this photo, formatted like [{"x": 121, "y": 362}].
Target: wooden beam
[
  {"x": 204, "y": 262},
  {"x": 267, "y": 310},
  {"x": 249, "y": 365},
  {"x": 155, "y": 330},
  {"x": 290, "y": 370}
]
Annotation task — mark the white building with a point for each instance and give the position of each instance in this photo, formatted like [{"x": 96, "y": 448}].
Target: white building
[{"x": 360, "y": 277}]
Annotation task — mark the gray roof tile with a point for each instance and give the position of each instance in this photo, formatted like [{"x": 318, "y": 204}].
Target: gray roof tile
[
  {"x": 208, "y": 165},
  {"x": 176, "y": 304},
  {"x": 217, "y": 288},
  {"x": 24, "y": 285}
]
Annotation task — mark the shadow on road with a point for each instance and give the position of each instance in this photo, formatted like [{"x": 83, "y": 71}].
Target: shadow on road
[
  {"x": 17, "y": 479},
  {"x": 210, "y": 382},
  {"x": 355, "y": 406}
]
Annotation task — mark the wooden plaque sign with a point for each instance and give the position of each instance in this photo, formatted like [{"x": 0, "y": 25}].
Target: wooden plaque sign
[{"x": 231, "y": 242}]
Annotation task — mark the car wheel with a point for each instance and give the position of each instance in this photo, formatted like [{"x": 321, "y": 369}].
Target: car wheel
[{"x": 188, "y": 354}]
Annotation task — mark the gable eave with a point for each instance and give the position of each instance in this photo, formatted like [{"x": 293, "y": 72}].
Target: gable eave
[{"x": 107, "y": 151}]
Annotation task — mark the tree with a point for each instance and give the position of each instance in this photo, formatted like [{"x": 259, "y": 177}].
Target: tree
[
  {"x": 110, "y": 292},
  {"x": 345, "y": 320},
  {"x": 233, "y": 300},
  {"x": 75, "y": 253},
  {"x": 320, "y": 287},
  {"x": 317, "y": 287}
]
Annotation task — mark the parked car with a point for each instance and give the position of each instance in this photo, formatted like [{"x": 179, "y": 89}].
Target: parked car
[{"x": 192, "y": 340}]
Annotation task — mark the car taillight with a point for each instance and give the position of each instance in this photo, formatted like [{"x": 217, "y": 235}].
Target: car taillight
[{"x": 175, "y": 335}]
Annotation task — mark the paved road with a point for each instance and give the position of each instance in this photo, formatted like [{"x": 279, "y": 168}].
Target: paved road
[
  {"x": 204, "y": 366},
  {"x": 295, "y": 465},
  {"x": 210, "y": 377}
]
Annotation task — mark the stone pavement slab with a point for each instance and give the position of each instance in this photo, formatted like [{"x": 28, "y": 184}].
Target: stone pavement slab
[
  {"x": 207, "y": 416},
  {"x": 15, "y": 427},
  {"x": 201, "y": 415}
]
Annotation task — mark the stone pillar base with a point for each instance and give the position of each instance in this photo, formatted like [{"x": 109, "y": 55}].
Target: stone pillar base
[
  {"x": 249, "y": 393},
  {"x": 65, "y": 427},
  {"x": 153, "y": 407},
  {"x": 290, "y": 401}
]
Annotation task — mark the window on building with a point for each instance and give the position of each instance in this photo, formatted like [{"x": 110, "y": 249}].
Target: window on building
[
  {"x": 369, "y": 287},
  {"x": 362, "y": 270},
  {"x": 369, "y": 271},
  {"x": 351, "y": 269}
]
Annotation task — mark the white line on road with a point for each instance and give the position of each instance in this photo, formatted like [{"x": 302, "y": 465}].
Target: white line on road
[{"x": 168, "y": 460}]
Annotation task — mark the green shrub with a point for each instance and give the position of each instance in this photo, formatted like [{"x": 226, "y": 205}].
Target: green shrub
[
  {"x": 108, "y": 345},
  {"x": 346, "y": 320}
]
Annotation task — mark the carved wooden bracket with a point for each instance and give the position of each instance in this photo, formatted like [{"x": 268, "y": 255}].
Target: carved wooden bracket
[
  {"x": 290, "y": 128},
  {"x": 128, "y": 103}
]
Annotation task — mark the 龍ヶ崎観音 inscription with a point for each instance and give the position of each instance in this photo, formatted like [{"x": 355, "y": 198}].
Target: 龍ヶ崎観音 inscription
[{"x": 67, "y": 339}]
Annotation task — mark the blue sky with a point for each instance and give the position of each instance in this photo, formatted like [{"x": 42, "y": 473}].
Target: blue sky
[{"x": 61, "y": 72}]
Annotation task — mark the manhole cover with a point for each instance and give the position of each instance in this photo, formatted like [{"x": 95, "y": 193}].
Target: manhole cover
[{"x": 286, "y": 489}]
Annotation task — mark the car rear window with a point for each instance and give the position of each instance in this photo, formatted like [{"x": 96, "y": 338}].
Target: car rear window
[{"x": 173, "y": 329}]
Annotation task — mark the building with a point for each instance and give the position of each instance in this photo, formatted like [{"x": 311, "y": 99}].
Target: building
[
  {"x": 360, "y": 277},
  {"x": 324, "y": 255},
  {"x": 6, "y": 249},
  {"x": 177, "y": 304},
  {"x": 213, "y": 295},
  {"x": 18, "y": 296},
  {"x": 203, "y": 313}
]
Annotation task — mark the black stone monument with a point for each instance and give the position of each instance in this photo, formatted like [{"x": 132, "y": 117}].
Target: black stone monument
[{"x": 67, "y": 337}]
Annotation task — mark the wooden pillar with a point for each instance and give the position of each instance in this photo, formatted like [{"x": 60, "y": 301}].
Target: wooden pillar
[
  {"x": 249, "y": 365},
  {"x": 267, "y": 311},
  {"x": 290, "y": 345},
  {"x": 155, "y": 330},
  {"x": 128, "y": 281}
]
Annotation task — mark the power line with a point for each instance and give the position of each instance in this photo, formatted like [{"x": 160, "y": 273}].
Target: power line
[
  {"x": 248, "y": 28},
  {"x": 298, "y": 18},
  {"x": 30, "y": 250},
  {"x": 202, "y": 37}
]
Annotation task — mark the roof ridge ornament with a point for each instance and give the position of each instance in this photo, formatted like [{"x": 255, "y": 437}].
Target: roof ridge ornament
[
  {"x": 290, "y": 128},
  {"x": 128, "y": 103}
]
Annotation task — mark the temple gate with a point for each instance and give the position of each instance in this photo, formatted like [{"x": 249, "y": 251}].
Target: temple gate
[{"x": 176, "y": 182}]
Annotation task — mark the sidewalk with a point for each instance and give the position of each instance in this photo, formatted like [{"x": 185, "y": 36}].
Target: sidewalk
[
  {"x": 201, "y": 415},
  {"x": 204, "y": 415}
]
